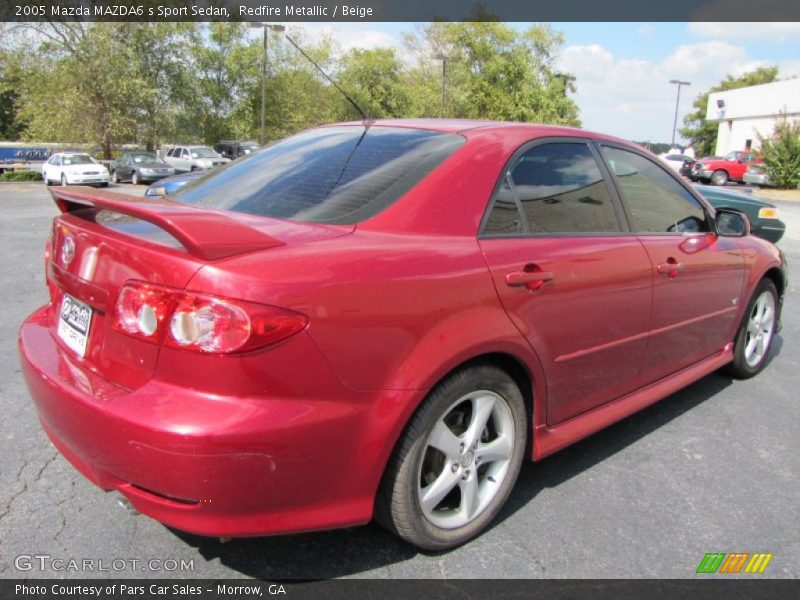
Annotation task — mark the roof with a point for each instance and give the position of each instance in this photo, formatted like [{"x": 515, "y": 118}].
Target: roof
[
  {"x": 765, "y": 100},
  {"x": 480, "y": 126}
]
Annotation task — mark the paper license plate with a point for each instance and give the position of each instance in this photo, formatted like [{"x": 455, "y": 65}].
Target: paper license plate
[{"x": 73, "y": 323}]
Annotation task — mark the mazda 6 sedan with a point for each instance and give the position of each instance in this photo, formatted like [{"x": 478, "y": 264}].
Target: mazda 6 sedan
[{"x": 383, "y": 320}]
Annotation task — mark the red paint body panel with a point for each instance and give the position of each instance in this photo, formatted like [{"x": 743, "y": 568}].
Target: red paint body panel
[{"x": 296, "y": 436}]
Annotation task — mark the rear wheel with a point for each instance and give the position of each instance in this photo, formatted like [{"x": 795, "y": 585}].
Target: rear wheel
[
  {"x": 719, "y": 177},
  {"x": 455, "y": 465},
  {"x": 63, "y": 179},
  {"x": 135, "y": 178},
  {"x": 114, "y": 177},
  {"x": 754, "y": 338}
]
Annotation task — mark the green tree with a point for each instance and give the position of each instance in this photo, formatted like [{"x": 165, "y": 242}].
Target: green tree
[
  {"x": 94, "y": 79},
  {"x": 222, "y": 73},
  {"x": 702, "y": 133},
  {"x": 781, "y": 153},
  {"x": 373, "y": 78},
  {"x": 493, "y": 72}
]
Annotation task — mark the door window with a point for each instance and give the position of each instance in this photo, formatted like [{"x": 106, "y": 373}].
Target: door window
[
  {"x": 657, "y": 203},
  {"x": 559, "y": 189}
]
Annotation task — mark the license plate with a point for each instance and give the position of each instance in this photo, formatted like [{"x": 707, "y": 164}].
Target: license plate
[{"x": 73, "y": 323}]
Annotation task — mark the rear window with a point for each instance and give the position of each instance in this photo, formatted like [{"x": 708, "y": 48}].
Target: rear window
[{"x": 340, "y": 175}]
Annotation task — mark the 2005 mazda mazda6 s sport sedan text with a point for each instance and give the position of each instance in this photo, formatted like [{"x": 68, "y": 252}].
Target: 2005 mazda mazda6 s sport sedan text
[{"x": 383, "y": 319}]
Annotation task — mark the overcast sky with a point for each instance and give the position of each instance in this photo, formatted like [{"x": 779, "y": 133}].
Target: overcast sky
[{"x": 623, "y": 69}]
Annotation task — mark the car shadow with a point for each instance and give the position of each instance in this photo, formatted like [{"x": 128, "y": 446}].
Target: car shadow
[{"x": 330, "y": 554}]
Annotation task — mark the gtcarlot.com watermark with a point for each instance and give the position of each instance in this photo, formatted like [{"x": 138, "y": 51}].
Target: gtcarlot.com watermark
[{"x": 47, "y": 562}]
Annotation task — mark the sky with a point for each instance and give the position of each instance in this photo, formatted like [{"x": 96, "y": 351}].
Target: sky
[{"x": 623, "y": 70}]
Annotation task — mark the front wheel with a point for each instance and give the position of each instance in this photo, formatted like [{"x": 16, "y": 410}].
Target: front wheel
[
  {"x": 114, "y": 177},
  {"x": 454, "y": 467},
  {"x": 63, "y": 179},
  {"x": 719, "y": 177},
  {"x": 135, "y": 178},
  {"x": 754, "y": 338}
]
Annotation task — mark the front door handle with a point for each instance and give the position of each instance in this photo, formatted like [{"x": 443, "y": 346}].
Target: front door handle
[
  {"x": 532, "y": 280},
  {"x": 671, "y": 268}
]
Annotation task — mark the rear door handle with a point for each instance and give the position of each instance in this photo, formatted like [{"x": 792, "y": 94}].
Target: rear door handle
[
  {"x": 532, "y": 280},
  {"x": 670, "y": 268}
]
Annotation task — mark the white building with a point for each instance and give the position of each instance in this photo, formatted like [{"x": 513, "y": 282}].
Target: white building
[{"x": 746, "y": 112}]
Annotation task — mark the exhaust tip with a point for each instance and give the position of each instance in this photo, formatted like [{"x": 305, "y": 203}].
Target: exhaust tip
[{"x": 126, "y": 505}]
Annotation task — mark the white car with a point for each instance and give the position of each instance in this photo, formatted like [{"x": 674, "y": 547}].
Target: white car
[
  {"x": 675, "y": 161},
  {"x": 70, "y": 168},
  {"x": 193, "y": 158}
]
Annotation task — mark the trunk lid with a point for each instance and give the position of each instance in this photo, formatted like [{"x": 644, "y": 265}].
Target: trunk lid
[{"x": 103, "y": 240}]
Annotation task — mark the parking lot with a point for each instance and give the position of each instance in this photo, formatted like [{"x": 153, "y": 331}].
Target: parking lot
[{"x": 712, "y": 468}]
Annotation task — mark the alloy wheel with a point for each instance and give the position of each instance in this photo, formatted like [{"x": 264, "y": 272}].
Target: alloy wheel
[
  {"x": 466, "y": 459},
  {"x": 760, "y": 327}
]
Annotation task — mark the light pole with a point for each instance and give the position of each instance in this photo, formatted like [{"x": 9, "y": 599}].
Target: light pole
[
  {"x": 442, "y": 57},
  {"x": 677, "y": 101},
  {"x": 266, "y": 27}
]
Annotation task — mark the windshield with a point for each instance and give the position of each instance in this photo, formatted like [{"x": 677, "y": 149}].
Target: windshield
[
  {"x": 203, "y": 153},
  {"x": 79, "y": 159},
  {"x": 337, "y": 175},
  {"x": 145, "y": 157}
]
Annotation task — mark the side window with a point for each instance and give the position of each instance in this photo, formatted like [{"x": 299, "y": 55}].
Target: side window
[
  {"x": 657, "y": 203},
  {"x": 185, "y": 153},
  {"x": 560, "y": 189}
]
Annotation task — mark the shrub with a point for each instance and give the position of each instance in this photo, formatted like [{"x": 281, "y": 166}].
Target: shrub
[
  {"x": 781, "y": 153},
  {"x": 21, "y": 176}
]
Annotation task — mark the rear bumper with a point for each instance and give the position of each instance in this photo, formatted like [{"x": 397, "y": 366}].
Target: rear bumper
[
  {"x": 206, "y": 463},
  {"x": 756, "y": 179}
]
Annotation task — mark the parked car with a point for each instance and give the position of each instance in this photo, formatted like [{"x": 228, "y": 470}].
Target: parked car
[
  {"x": 139, "y": 167},
  {"x": 170, "y": 185},
  {"x": 69, "y": 168},
  {"x": 720, "y": 171},
  {"x": 756, "y": 174},
  {"x": 193, "y": 158},
  {"x": 383, "y": 321},
  {"x": 764, "y": 220},
  {"x": 680, "y": 163},
  {"x": 234, "y": 149}
]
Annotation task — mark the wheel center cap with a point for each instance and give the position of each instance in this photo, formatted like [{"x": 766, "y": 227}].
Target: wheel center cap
[{"x": 466, "y": 459}]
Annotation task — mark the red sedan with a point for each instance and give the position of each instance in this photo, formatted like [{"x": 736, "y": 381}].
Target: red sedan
[{"x": 383, "y": 320}]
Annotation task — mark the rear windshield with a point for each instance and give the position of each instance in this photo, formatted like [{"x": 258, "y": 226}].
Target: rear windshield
[{"x": 340, "y": 175}]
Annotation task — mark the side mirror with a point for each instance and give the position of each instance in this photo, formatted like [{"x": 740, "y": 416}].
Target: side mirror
[{"x": 732, "y": 223}]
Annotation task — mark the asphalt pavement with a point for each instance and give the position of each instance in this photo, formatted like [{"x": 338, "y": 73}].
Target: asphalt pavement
[{"x": 713, "y": 468}]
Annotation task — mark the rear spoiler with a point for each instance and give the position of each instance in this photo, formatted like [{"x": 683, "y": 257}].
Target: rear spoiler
[{"x": 206, "y": 234}]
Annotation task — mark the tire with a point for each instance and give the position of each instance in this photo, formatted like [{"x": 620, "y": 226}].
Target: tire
[
  {"x": 756, "y": 332},
  {"x": 135, "y": 178},
  {"x": 46, "y": 180},
  {"x": 104, "y": 184},
  {"x": 193, "y": 169},
  {"x": 114, "y": 177},
  {"x": 437, "y": 499},
  {"x": 63, "y": 179},
  {"x": 719, "y": 177}
]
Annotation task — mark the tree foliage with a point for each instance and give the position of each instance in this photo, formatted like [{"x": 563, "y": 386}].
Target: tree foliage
[
  {"x": 149, "y": 84},
  {"x": 781, "y": 153},
  {"x": 702, "y": 133}
]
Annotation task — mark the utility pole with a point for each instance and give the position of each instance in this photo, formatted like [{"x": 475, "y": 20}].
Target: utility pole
[
  {"x": 266, "y": 27},
  {"x": 677, "y": 101}
]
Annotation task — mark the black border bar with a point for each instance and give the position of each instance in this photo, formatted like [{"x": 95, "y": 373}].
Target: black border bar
[
  {"x": 398, "y": 10},
  {"x": 700, "y": 588}
]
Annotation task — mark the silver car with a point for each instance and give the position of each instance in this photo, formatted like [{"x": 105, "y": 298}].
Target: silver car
[{"x": 193, "y": 158}]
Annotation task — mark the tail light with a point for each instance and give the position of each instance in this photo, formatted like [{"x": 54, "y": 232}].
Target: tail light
[{"x": 201, "y": 322}]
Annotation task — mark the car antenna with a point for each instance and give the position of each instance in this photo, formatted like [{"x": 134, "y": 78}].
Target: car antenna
[{"x": 336, "y": 85}]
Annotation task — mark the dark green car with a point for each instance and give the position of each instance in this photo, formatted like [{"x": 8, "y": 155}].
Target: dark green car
[{"x": 763, "y": 216}]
